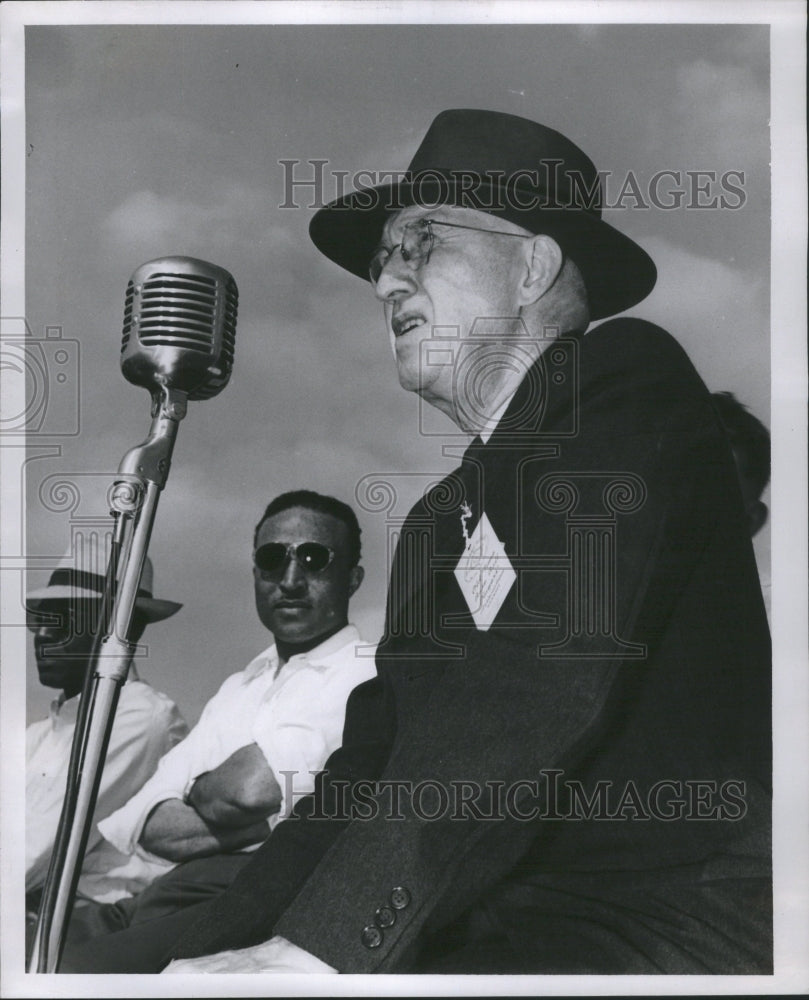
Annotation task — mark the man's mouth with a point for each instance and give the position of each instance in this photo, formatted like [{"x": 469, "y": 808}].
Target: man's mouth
[
  {"x": 51, "y": 666},
  {"x": 406, "y": 322},
  {"x": 291, "y": 604}
]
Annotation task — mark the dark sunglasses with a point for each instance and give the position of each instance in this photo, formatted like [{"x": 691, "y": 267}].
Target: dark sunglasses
[{"x": 273, "y": 557}]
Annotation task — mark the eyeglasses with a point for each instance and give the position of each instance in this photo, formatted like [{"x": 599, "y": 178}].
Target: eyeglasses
[
  {"x": 417, "y": 244},
  {"x": 271, "y": 559}
]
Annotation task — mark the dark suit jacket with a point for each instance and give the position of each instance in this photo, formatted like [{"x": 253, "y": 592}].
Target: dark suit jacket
[{"x": 620, "y": 700}]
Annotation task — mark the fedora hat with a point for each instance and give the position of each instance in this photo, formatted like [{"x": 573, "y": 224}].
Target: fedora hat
[
  {"x": 510, "y": 167},
  {"x": 67, "y": 583}
]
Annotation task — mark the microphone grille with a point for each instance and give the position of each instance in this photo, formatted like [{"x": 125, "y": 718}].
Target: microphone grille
[{"x": 181, "y": 307}]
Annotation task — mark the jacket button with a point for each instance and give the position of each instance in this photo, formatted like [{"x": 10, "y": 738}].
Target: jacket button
[
  {"x": 399, "y": 898},
  {"x": 385, "y": 917},
  {"x": 371, "y": 936}
]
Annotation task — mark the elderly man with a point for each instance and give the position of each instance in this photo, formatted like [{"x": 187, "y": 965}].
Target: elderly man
[
  {"x": 63, "y": 618},
  {"x": 257, "y": 746},
  {"x": 564, "y": 764}
]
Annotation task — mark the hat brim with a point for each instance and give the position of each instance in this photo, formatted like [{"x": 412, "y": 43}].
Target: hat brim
[
  {"x": 153, "y": 609},
  {"x": 617, "y": 272}
]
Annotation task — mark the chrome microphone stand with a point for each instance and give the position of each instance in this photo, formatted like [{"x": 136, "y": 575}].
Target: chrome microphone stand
[
  {"x": 178, "y": 340},
  {"x": 143, "y": 473}
]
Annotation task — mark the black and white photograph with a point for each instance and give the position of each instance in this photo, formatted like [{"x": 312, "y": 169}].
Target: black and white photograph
[{"x": 404, "y": 498}]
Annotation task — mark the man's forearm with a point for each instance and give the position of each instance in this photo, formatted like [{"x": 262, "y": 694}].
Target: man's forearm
[
  {"x": 239, "y": 793},
  {"x": 175, "y": 831}
]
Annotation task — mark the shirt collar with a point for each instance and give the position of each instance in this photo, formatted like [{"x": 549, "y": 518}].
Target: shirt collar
[
  {"x": 488, "y": 428},
  {"x": 56, "y": 704},
  {"x": 64, "y": 711},
  {"x": 268, "y": 659}
]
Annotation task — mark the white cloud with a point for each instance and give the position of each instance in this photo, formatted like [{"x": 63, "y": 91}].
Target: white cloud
[{"x": 235, "y": 215}]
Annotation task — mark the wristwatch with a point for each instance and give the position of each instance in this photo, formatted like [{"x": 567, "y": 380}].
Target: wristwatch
[{"x": 189, "y": 788}]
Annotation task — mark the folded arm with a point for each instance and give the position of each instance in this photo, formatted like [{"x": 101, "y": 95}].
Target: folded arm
[
  {"x": 241, "y": 791},
  {"x": 226, "y": 810},
  {"x": 177, "y": 832}
]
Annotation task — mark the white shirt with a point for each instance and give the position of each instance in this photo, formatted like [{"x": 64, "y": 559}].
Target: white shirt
[
  {"x": 295, "y": 714},
  {"x": 147, "y": 725}
]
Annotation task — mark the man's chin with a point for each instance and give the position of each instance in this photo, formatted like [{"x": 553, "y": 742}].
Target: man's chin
[
  {"x": 293, "y": 631},
  {"x": 412, "y": 381},
  {"x": 51, "y": 678}
]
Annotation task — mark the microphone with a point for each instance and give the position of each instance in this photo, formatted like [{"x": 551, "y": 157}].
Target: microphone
[
  {"x": 178, "y": 340},
  {"x": 180, "y": 326}
]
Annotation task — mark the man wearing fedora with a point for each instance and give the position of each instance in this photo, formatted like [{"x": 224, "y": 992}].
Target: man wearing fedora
[
  {"x": 63, "y": 618},
  {"x": 573, "y": 692}
]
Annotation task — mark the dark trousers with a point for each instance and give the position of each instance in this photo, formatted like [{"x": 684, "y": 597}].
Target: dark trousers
[{"x": 135, "y": 934}]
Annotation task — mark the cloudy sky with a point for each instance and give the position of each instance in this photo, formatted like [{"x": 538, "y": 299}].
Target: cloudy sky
[{"x": 143, "y": 141}]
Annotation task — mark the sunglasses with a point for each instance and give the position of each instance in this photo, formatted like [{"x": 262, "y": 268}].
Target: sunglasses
[
  {"x": 417, "y": 244},
  {"x": 271, "y": 559}
]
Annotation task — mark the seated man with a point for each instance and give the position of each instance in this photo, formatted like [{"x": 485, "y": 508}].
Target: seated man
[
  {"x": 258, "y": 744},
  {"x": 62, "y": 617}
]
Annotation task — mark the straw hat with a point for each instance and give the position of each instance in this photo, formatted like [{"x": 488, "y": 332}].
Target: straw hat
[{"x": 67, "y": 583}]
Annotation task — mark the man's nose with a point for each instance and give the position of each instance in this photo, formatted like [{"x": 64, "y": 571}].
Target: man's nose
[
  {"x": 396, "y": 280},
  {"x": 47, "y": 633},
  {"x": 294, "y": 578},
  {"x": 48, "y": 637}
]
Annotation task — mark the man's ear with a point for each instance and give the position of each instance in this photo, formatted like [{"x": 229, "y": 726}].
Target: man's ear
[
  {"x": 355, "y": 577},
  {"x": 543, "y": 262}
]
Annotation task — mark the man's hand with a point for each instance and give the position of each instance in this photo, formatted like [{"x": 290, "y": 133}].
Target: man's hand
[
  {"x": 275, "y": 955},
  {"x": 240, "y": 792},
  {"x": 177, "y": 832}
]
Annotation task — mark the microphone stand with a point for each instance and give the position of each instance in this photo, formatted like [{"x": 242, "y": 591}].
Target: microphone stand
[{"x": 143, "y": 471}]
